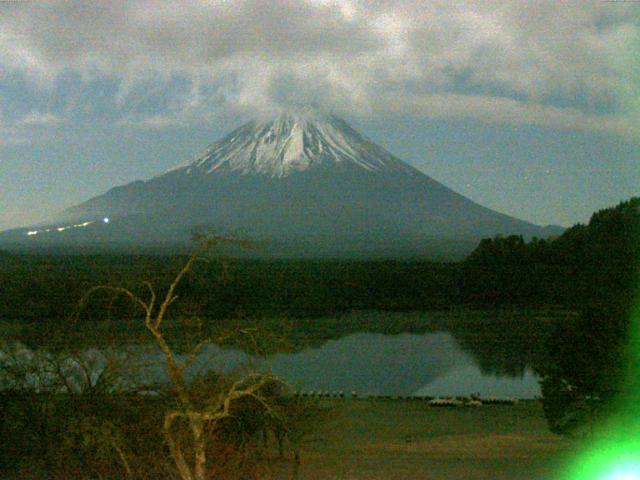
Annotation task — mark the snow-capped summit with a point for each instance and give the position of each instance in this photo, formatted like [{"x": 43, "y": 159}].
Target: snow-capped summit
[
  {"x": 296, "y": 140},
  {"x": 305, "y": 182}
]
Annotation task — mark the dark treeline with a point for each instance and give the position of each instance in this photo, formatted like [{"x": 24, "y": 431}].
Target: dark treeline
[
  {"x": 588, "y": 264},
  {"x": 593, "y": 269},
  {"x": 46, "y": 290}
]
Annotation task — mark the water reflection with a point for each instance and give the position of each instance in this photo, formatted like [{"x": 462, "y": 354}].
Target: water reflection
[
  {"x": 407, "y": 364},
  {"x": 430, "y": 364},
  {"x": 372, "y": 363},
  {"x": 494, "y": 360},
  {"x": 506, "y": 349}
]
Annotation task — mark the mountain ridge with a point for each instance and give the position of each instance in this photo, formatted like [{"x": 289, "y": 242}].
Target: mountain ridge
[{"x": 307, "y": 183}]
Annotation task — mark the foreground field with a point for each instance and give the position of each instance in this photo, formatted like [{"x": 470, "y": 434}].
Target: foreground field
[{"x": 395, "y": 439}]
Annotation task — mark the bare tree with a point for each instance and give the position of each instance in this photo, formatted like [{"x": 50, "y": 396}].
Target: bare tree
[{"x": 196, "y": 415}]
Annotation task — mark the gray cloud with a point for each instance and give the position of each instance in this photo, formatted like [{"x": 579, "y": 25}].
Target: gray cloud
[{"x": 563, "y": 64}]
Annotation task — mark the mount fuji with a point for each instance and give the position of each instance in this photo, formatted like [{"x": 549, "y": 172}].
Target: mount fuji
[{"x": 305, "y": 182}]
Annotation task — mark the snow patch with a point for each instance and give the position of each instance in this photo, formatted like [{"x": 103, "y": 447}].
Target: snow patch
[{"x": 293, "y": 142}]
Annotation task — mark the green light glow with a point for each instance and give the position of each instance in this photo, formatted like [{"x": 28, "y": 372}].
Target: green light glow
[
  {"x": 612, "y": 459},
  {"x": 614, "y": 453}
]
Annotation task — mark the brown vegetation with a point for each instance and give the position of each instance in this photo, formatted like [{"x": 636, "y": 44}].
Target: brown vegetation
[{"x": 213, "y": 426}]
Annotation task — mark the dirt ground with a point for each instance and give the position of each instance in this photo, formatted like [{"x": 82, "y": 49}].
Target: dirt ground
[{"x": 407, "y": 439}]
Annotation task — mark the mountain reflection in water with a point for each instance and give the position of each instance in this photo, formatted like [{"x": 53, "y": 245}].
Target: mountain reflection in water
[
  {"x": 490, "y": 356},
  {"x": 431, "y": 364},
  {"x": 374, "y": 364}
]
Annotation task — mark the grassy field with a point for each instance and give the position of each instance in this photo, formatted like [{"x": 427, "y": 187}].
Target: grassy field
[{"x": 396, "y": 439}]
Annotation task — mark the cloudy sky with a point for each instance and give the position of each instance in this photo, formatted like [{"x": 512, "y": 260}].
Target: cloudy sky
[{"x": 531, "y": 108}]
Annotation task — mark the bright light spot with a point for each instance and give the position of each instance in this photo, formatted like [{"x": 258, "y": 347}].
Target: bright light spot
[
  {"x": 81, "y": 225},
  {"x": 612, "y": 458},
  {"x": 105, "y": 219},
  {"x": 629, "y": 472},
  {"x": 62, "y": 229}
]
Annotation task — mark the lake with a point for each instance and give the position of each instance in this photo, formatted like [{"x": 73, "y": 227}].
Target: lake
[
  {"x": 431, "y": 364},
  {"x": 490, "y": 356}
]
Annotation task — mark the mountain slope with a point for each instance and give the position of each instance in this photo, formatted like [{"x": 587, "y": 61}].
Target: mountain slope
[
  {"x": 307, "y": 183},
  {"x": 291, "y": 143}
]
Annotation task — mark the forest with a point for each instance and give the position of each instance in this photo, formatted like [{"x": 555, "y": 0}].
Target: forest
[
  {"x": 590, "y": 270},
  {"x": 585, "y": 264}
]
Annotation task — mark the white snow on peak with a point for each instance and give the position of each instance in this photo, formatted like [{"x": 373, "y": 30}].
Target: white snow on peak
[{"x": 293, "y": 141}]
